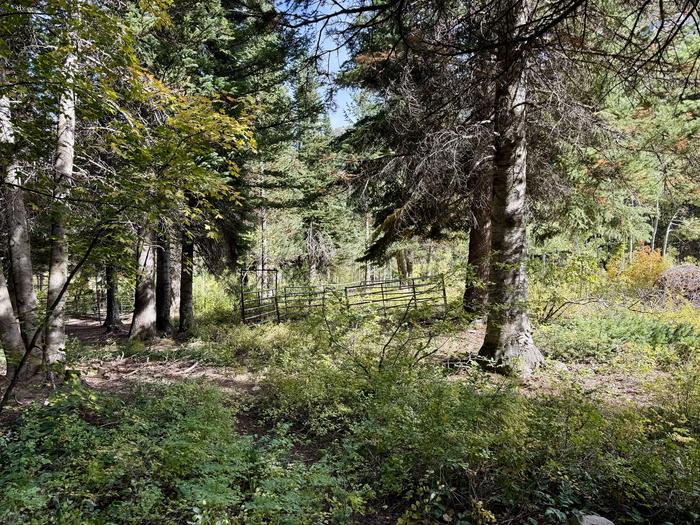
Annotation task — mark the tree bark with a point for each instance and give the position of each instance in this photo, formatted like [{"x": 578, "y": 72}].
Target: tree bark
[
  {"x": 476, "y": 286},
  {"x": 10, "y": 335},
  {"x": 19, "y": 247},
  {"x": 112, "y": 320},
  {"x": 186, "y": 277},
  {"x": 175, "y": 257},
  {"x": 143, "y": 324},
  {"x": 508, "y": 344},
  {"x": 163, "y": 285}
]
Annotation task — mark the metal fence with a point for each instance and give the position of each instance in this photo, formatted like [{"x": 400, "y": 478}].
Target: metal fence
[{"x": 295, "y": 302}]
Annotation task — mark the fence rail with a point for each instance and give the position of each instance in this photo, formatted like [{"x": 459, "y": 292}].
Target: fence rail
[{"x": 294, "y": 302}]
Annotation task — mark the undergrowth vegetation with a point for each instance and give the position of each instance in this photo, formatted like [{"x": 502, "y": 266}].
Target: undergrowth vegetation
[{"x": 357, "y": 420}]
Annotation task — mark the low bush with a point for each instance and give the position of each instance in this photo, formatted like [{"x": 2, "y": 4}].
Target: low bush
[
  {"x": 168, "y": 455},
  {"x": 599, "y": 336},
  {"x": 438, "y": 450}
]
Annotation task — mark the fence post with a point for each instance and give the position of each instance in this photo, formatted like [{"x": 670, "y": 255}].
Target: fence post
[
  {"x": 444, "y": 292},
  {"x": 286, "y": 305},
  {"x": 277, "y": 306},
  {"x": 415, "y": 299},
  {"x": 383, "y": 299},
  {"x": 242, "y": 303},
  {"x": 347, "y": 300}
]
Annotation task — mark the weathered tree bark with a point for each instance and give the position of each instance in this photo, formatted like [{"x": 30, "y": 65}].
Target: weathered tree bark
[
  {"x": 18, "y": 236},
  {"x": 143, "y": 324},
  {"x": 112, "y": 320},
  {"x": 10, "y": 335},
  {"x": 508, "y": 345},
  {"x": 186, "y": 276},
  {"x": 163, "y": 285},
  {"x": 476, "y": 287}
]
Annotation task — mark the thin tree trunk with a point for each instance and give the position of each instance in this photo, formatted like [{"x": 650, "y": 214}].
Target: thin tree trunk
[
  {"x": 655, "y": 226},
  {"x": 508, "y": 344},
  {"x": 18, "y": 239},
  {"x": 667, "y": 235},
  {"x": 476, "y": 287},
  {"x": 262, "y": 262},
  {"x": 368, "y": 263},
  {"x": 186, "y": 278},
  {"x": 143, "y": 324},
  {"x": 175, "y": 256},
  {"x": 163, "y": 285},
  {"x": 112, "y": 320},
  {"x": 10, "y": 335},
  {"x": 310, "y": 249}
]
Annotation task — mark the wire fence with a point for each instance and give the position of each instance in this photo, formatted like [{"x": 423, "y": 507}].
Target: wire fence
[{"x": 296, "y": 302}]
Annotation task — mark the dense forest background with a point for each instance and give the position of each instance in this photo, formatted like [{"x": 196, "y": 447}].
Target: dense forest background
[{"x": 491, "y": 265}]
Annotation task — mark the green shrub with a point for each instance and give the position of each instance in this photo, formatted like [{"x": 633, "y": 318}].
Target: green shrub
[
  {"x": 471, "y": 451},
  {"x": 598, "y": 336},
  {"x": 169, "y": 455}
]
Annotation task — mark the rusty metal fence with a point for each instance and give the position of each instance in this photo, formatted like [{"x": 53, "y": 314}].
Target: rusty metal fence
[{"x": 295, "y": 302}]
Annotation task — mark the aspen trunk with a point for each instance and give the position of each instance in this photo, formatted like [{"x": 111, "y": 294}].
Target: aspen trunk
[
  {"x": 143, "y": 324},
  {"x": 508, "y": 345},
  {"x": 186, "y": 278},
  {"x": 112, "y": 319},
  {"x": 55, "y": 335},
  {"x": 163, "y": 285},
  {"x": 10, "y": 335},
  {"x": 19, "y": 249},
  {"x": 476, "y": 287}
]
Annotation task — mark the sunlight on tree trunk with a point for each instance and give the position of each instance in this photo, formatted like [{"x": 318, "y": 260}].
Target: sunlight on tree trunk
[
  {"x": 163, "y": 285},
  {"x": 55, "y": 341},
  {"x": 18, "y": 236},
  {"x": 143, "y": 325},
  {"x": 10, "y": 335}
]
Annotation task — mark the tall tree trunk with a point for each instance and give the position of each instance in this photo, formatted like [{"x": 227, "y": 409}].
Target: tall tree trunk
[
  {"x": 476, "y": 287},
  {"x": 10, "y": 335},
  {"x": 55, "y": 335},
  {"x": 18, "y": 237},
  {"x": 508, "y": 343},
  {"x": 143, "y": 324},
  {"x": 163, "y": 285},
  {"x": 186, "y": 277},
  {"x": 112, "y": 320}
]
